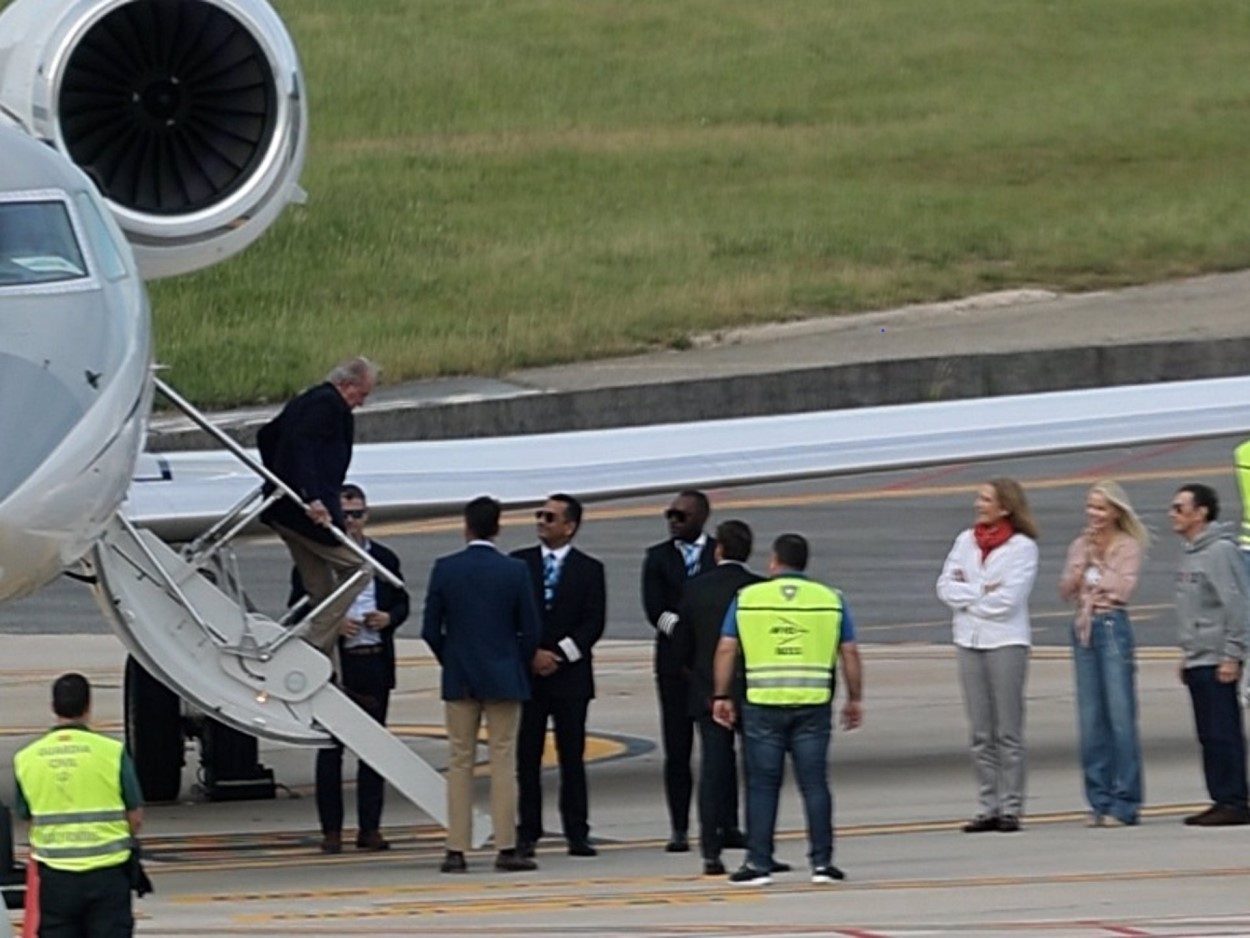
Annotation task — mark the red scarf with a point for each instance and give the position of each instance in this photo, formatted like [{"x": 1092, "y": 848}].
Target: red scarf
[{"x": 992, "y": 536}]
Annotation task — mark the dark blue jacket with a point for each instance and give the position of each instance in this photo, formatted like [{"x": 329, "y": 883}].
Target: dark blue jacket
[
  {"x": 482, "y": 624},
  {"x": 309, "y": 447}
]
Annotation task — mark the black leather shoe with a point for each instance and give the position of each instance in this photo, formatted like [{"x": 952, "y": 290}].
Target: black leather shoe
[
  {"x": 509, "y": 862},
  {"x": 454, "y": 863},
  {"x": 372, "y": 841},
  {"x": 713, "y": 868},
  {"x": 332, "y": 843},
  {"x": 1199, "y": 819},
  {"x": 980, "y": 824},
  {"x": 678, "y": 843},
  {"x": 525, "y": 848},
  {"x": 582, "y": 848},
  {"x": 1223, "y": 815},
  {"x": 1008, "y": 824},
  {"x": 734, "y": 840}
]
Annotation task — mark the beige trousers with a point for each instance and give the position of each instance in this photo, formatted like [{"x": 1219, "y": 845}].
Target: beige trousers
[
  {"x": 464, "y": 717},
  {"x": 322, "y": 568}
]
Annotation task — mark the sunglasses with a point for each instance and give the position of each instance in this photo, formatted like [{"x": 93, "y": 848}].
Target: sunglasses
[
  {"x": 546, "y": 517},
  {"x": 354, "y": 513},
  {"x": 675, "y": 514},
  {"x": 1176, "y": 507}
]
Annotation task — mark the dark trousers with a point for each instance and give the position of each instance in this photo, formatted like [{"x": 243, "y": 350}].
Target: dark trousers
[
  {"x": 569, "y": 717},
  {"x": 1217, "y": 717},
  {"x": 677, "y": 733},
  {"x": 95, "y": 904},
  {"x": 718, "y": 786},
  {"x": 365, "y": 679}
]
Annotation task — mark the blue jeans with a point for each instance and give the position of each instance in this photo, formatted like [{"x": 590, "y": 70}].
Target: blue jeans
[
  {"x": 1217, "y": 717},
  {"x": 1106, "y": 707},
  {"x": 769, "y": 733}
]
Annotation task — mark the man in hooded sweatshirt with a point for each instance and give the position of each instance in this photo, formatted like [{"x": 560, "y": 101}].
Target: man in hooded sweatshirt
[{"x": 1212, "y": 610}]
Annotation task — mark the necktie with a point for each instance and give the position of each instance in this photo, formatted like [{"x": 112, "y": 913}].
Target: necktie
[
  {"x": 690, "y": 553},
  {"x": 551, "y": 576}
]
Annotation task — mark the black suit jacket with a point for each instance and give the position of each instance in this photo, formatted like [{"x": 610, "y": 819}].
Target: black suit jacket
[
  {"x": 390, "y": 599},
  {"x": 578, "y": 612},
  {"x": 703, "y": 607},
  {"x": 663, "y": 582},
  {"x": 309, "y": 447}
]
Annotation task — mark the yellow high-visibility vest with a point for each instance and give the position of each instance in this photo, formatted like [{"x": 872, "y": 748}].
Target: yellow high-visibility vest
[
  {"x": 71, "y": 779},
  {"x": 1241, "y": 457},
  {"x": 788, "y": 628}
]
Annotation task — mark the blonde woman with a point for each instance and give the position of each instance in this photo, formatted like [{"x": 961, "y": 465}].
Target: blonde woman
[
  {"x": 986, "y": 582},
  {"x": 1100, "y": 575}
]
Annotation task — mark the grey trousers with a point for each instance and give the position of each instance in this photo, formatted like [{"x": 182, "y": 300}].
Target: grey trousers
[{"x": 993, "y": 682}]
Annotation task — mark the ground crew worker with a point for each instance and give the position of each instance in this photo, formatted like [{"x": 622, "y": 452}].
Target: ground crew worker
[
  {"x": 81, "y": 795},
  {"x": 1241, "y": 462},
  {"x": 792, "y": 632}
]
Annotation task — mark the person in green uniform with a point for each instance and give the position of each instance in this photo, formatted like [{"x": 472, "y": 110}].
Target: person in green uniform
[{"x": 79, "y": 791}]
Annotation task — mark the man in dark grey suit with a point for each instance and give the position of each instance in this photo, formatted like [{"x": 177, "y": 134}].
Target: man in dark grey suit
[
  {"x": 704, "y": 603},
  {"x": 482, "y": 624},
  {"x": 570, "y": 588}
]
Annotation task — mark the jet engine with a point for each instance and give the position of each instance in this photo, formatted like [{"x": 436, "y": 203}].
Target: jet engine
[{"x": 190, "y": 115}]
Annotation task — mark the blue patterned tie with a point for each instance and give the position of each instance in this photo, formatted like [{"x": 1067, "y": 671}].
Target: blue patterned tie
[
  {"x": 551, "y": 576},
  {"x": 690, "y": 553}
]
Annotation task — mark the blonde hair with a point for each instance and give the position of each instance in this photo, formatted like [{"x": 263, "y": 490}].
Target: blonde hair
[
  {"x": 1126, "y": 518},
  {"x": 1010, "y": 495}
]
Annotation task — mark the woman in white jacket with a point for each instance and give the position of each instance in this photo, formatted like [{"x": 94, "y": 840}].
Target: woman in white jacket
[{"x": 986, "y": 581}]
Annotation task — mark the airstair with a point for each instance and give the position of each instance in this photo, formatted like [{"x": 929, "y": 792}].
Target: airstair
[{"x": 184, "y": 617}]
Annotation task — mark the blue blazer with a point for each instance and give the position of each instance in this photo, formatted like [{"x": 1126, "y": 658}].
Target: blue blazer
[{"x": 481, "y": 622}]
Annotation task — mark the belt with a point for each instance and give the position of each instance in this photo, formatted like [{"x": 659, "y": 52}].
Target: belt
[{"x": 364, "y": 650}]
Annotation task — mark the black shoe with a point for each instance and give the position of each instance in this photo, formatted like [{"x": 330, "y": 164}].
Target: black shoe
[
  {"x": 746, "y": 876},
  {"x": 713, "y": 868},
  {"x": 1223, "y": 815},
  {"x": 372, "y": 841},
  {"x": 1009, "y": 824},
  {"x": 980, "y": 824},
  {"x": 525, "y": 848},
  {"x": 827, "y": 874},
  {"x": 332, "y": 843},
  {"x": 509, "y": 862},
  {"x": 454, "y": 863},
  {"x": 780, "y": 867},
  {"x": 678, "y": 843},
  {"x": 1198, "y": 820},
  {"x": 734, "y": 840},
  {"x": 582, "y": 848}
]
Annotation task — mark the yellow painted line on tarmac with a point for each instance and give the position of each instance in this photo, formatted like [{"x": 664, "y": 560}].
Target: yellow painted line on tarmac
[{"x": 807, "y": 500}]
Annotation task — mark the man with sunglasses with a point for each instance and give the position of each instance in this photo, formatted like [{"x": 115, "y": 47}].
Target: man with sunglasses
[
  {"x": 668, "y": 565},
  {"x": 570, "y": 590},
  {"x": 1212, "y": 609},
  {"x": 366, "y": 647}
]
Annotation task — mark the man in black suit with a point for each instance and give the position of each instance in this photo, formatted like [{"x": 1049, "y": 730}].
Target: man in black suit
[
  {"x": 667, "y": 567},
  {"x": 706, "y": 600},
  {"x": 366, "y": 648},
  {"x": 309, "y": 447},
  {"x": 570, "y": 589}
]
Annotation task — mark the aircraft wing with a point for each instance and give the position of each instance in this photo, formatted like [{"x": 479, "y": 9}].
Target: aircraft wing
[{"x": 178, "y": 494}]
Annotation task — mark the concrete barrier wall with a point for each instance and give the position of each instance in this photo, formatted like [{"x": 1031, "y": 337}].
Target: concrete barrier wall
[{"x": 787, "y": 392}]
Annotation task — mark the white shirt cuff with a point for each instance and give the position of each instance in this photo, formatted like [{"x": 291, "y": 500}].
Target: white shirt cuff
[{"x": 572, "y": 653}]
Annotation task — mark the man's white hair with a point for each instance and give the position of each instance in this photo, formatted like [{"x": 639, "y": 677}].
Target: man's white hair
[{"x": 355, "y": 371}]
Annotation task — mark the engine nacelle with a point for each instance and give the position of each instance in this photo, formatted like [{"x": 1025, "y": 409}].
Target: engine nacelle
[{"x": 190, "y": 115}]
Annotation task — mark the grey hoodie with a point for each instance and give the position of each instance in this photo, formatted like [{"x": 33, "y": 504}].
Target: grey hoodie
[{"x": 1212, "y": 599}]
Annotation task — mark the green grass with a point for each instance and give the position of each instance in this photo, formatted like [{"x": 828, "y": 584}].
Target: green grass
[{"x": 504, "y": 183}]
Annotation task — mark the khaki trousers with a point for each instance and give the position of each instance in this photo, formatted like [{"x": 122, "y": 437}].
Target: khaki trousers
[
  {"x": 464, "y": 717},
  {"x": 322, "y": 568}
]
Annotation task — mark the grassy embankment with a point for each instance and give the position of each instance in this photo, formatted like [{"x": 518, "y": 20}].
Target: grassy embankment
[{"x": 504, "y": 183}]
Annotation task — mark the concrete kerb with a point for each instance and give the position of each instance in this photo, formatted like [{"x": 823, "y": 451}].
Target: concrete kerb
[{"x": 859, "y": 384}]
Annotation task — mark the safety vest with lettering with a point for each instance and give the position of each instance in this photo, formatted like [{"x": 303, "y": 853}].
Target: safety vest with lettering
[
  {"x": 788, "y": 628},
  {"x": 1241, "y": 457},
  {"x": 71, "y": 779}
]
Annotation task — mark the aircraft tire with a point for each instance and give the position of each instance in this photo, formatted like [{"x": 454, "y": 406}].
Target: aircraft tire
[{"x": 153, "y": 733}]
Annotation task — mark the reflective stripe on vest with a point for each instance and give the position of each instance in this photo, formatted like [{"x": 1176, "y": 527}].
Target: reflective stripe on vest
[
  {"x": 1241, "y": 458},
  {"x": 789, "y": 629},
  {"x": 71, "y": 779}
]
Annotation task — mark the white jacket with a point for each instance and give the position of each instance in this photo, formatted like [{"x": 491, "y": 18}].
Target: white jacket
[{"x": 990, "y": 600}]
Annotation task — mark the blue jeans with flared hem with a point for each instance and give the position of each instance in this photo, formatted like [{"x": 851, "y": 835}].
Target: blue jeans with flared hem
[
  {"x": 1106, "y": 707},
  {"x": 769, "y": 733}
]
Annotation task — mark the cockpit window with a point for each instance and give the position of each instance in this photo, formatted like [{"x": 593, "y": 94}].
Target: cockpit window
[{"x": 37, "y": 244}]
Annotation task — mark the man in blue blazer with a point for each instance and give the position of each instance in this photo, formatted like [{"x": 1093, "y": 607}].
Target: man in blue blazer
[{"x": 481, "y": 622}]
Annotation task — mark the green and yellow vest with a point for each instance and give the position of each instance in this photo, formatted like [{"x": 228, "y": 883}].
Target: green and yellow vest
[
  {"x": 788, "y": 628},
  {"x": 1241, "y": 457}
]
